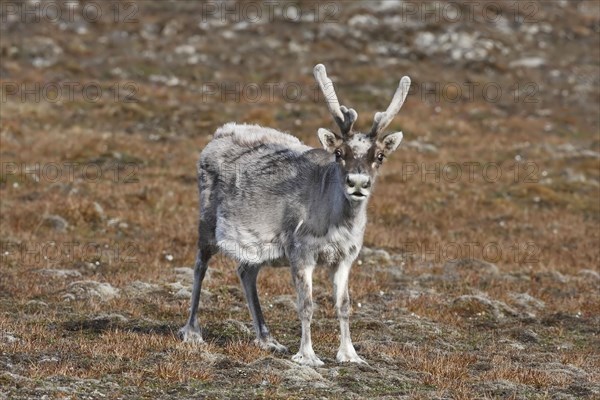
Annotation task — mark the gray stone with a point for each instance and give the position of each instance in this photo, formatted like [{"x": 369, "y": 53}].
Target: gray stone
[
  {"x": 42, "y": 51},
  {"x": 421, "y": 147},
  {"x": 375, "y": 256},
  {"x": 556, "y": 368},
  {"x": 141, "y": 289},
  {"x": 92, "y": 290},
  {"x": 302, "y": 375},
  {"x": 8, "y": 338},
  {"x": 56, "y": 222},
  {"x": 526, "y": 335},
  {"x": 179, "y": 291},
  {"x": 184, "y": 273},
  {"x": 60, "y": 273},
  {"x": 481, "y": 305},
  {"x": 112, "y": 317},
  {"x": 589, "y": 275},
  {"x": 553, "y": 276},
  {"x": 528, "y": 62},
  {"x": 527, "y": 303}
]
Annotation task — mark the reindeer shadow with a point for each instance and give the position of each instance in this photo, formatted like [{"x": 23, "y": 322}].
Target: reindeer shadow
[
  {"x": 100, "y": 325},
  {"x": 220, "y": 333}
]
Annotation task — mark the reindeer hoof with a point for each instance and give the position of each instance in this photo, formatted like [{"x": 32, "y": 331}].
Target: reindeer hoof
[
  {"x": 272, "y": 345},
  {"x": 349, "y": 356},
  {"x": 190, "y": 334},
  {"x": 308, "y": 359}
]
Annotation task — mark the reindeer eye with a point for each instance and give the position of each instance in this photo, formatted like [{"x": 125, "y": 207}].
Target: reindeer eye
[
  {"x": 338, "y": 153},
  {"x": 380, "y": 157}
]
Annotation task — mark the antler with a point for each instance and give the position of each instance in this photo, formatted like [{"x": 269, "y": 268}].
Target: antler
[
  {"x": 383, "y": 119},
  {"x": 343, "y": 116}
]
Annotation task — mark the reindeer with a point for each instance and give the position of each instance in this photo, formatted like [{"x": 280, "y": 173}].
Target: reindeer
[{"x": 265, "y": 196}]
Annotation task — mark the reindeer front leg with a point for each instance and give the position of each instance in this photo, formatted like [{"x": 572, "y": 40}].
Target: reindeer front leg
[
  {"x": 346, "y": 352},
  {"x": 302, "y": 276}
]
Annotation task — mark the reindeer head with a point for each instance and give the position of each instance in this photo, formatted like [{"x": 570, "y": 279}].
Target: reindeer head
[{"x": 359, "y": 155}]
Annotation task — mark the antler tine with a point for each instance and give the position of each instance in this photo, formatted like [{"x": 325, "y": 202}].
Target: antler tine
[
  {"x": 343, "y": 116},
  {"x": 383, "y": 119}
]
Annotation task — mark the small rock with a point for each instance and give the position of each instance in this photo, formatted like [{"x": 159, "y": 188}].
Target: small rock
[
  {"x": 185, "y": 274},
  {"x": 36, "y": 304},
  {"x": 88, "y": 290},
  {"x": 113, "y": 317},
  {"x": 525, "y": 335},
  {"x": 87, "y": 267},
  {"x": 56, "y": 222},
  {"x": 212, "y": 358},
  {"x": 8, "y": 338},
  {"x": 49, "y": 359},
  {"x": 302, "y": 375},
  {"x": 459, "y": 46},
  {"x": 42, "y": 51},
  {"x": 185, "y": 49},
  {"x": 284, "y": 301},
  {"x": 273, "y": 363},
  {"x": 565, "y": 346},
  {"x": 178, "y": 290},
  {"x": 420, "y": 146},
  {"x": 512, "y": 344},
  {"x": 556, "y": 368},
  {"x": 482, "y": 366},
  {"x": 571, "y": 176},
  {"x": 141, "y": 289},
  {"x": 69, "y": 297},
  {"x": 424, "y": 40},
  {"x": 528, "y": 62},
  {"x": 527, "y": 303},
  {"x": 232, "y": 325},
  {"x": 553, "y": 276},
  {"x": 60, "y": 273},
  {"x": 99, "y": 211},
  {"x": 375, "y": 256},
  {"x": 480, "y": 305},
  {"x": 363, "y": 21},
  {"x": 589, "y": 275},
  {"x": 10, "y": 377},
  {"x": 183, "y": 294}
]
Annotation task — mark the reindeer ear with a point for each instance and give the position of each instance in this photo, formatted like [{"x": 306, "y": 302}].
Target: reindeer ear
[
  {"x": 329, "y": 140},
  {"x": 389, "y": 143}
]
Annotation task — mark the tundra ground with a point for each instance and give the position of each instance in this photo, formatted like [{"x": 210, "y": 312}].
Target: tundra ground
[{"x": 480, "y": 275}]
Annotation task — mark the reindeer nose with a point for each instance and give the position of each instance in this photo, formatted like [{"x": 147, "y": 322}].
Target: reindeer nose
[
  {"x": 358, "y": 180},
  {"x": 349, "y": 181}
]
